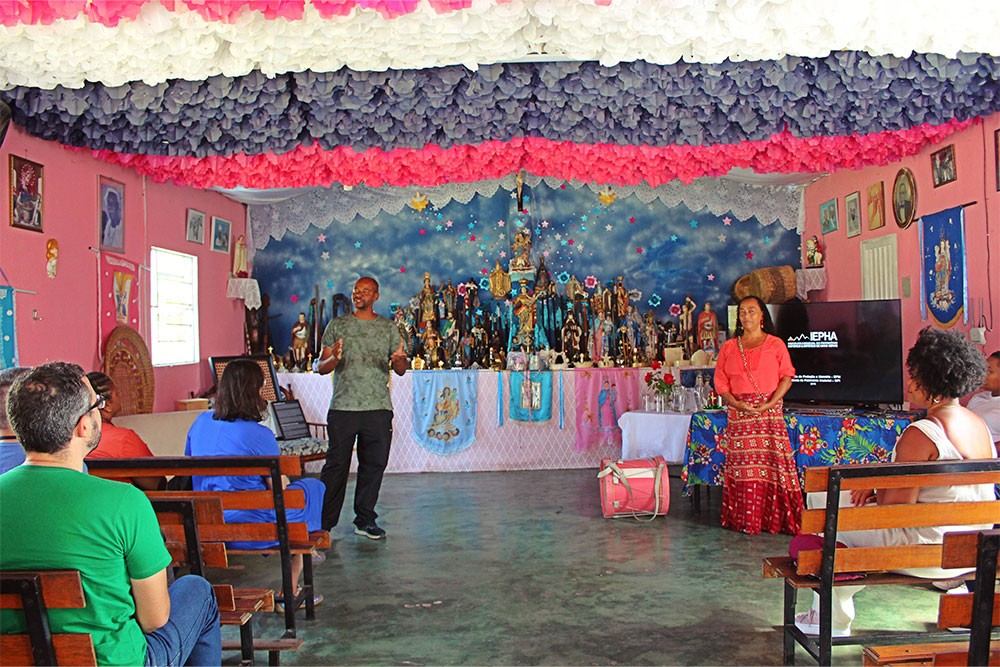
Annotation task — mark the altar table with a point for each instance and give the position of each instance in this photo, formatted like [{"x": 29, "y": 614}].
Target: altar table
[
  {"x": 646, "y": 434},
  {"x": 516, "y": 445},
  {"x": 817, "y": 440}
]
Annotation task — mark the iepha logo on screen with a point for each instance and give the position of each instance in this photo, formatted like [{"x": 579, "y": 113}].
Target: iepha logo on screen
[{"x": 814, "y": 340}]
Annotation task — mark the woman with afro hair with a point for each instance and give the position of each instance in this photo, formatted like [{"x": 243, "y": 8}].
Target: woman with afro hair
[{"x": 942, "y": 366}]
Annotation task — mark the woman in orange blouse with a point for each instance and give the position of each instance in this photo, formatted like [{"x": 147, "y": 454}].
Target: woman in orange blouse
[{"x": 761, "y": 489}]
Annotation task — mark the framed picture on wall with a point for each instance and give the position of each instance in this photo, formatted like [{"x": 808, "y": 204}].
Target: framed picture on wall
[
  {"x": 904, "y": 198},
  {"x": 111, "y": 220},
  {"x": 876, "y": 206},
  {"x": 828, "y": 216},
  {"x": 195, "y": 226},
  {"x": 996, "y": 155},
  {"x": 943, "y": 166},
  {"x": 852, "y": 213},
  {"x": 221, "y": 230},
  {"x": 25, "y": 194}
]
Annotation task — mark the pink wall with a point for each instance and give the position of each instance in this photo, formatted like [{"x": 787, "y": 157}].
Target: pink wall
[
  {"x": 66, "y": 327},
  {"x": 977, "y": 182}
]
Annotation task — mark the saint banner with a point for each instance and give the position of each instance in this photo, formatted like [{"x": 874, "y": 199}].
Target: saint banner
[
  {"x": 531, "y": 396},
  {"x": 119, "y": 293},
  {"x": 602, "y": 396},
  {"x": 8, "y": 330},
  {"x": 444, "y": 410},
  {"x": 944, "y": 279}
]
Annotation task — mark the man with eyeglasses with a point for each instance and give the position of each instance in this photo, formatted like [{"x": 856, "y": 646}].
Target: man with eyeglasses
[
  {"x": 361, "y": 347},
  {"x": 53, "y": 516}
]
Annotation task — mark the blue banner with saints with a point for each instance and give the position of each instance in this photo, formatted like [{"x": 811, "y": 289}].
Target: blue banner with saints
[
  {"x": 817, "y": 440},
  {"x": 944, "y": 279},
  {"x": 8, "y": 329},
  {"x": 444, "y": 410},
  {"x": 531, "y": 396}
]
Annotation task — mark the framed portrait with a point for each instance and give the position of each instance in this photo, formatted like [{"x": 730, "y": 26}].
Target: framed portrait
[
  {"x": 221, "y": 231},
  {"x": 904, "y": 198},
  {"x": 111, "y": 220},
  {"x": 828, "y": 216},
  {"x": 943, "y": 166},
  {"x": 852, "y": 213},
  {"x": 195, "y": 226},
  {"x": 876, "y": 206},
  {"x": 25, "y": 194},
  {"x": 996, "y": 155}
]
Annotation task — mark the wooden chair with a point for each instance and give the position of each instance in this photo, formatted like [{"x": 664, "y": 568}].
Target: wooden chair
[
  {"x": 815, "y": 569},
  {"x": 35, "y": 592},
  {"x": 979, "y": 611}
]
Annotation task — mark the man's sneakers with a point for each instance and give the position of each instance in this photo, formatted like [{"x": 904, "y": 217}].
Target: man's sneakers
[{"x": 370, "y": 530}]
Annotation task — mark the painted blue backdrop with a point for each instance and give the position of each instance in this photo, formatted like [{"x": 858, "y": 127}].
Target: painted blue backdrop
[{"x": 663, "y": 252}]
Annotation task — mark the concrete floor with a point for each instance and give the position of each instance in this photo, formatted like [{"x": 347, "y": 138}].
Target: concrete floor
[{"x": 520, "y": 568}]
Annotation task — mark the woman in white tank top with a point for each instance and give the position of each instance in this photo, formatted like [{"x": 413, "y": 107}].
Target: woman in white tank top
[{"x": 942, "y": 366}]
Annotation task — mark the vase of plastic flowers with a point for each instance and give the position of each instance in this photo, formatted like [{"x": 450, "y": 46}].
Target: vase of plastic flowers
[{"x": 661, "y": 383}]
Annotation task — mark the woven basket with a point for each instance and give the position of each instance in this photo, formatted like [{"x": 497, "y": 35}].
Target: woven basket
[
  {"x": 127, "y": 362},
  {"x": 773, "y": 284}
]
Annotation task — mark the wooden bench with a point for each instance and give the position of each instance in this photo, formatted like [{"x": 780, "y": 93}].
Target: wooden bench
[
  {"x": 815, "y": 569},
  {"x": 979, "y": 611},
  {"x": 35, "y": 592},
  {"x": 293, "y": 538}
]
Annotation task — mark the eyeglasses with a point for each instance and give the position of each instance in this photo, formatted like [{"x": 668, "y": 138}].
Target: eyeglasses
[{"x": 99, "y": 404}]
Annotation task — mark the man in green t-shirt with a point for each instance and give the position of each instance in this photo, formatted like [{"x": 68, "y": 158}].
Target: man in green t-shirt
[
  {"x": 54, "y": 516},
  {"x": 361, "y": 347}
]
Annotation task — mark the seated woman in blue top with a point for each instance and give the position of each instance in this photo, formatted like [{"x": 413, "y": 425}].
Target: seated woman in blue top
[{"x": 233, "y": 430}]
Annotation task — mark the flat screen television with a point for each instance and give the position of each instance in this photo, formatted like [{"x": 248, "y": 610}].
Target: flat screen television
[{"x": 844, "y": 352}]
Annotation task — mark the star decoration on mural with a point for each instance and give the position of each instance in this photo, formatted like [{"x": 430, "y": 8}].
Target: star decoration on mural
[
  {"x": 694, "y": 224},
  {"x": 501, "y": 223},
  {"x": 583, "y": 218},
  {"x": 295, "y": 298},
  {"x": 438, "y": 228},
  {"x": 402, "y": 269},
  {"x": 357, "y": 244},
  {"x": 448, "y": 224},
  {"x": 639, "y": 250},
  {"x": 471, "y": 225},
  {"x": 321, "y": 238},
  {"x": 583, "y": 228},
  {"x": 571, "y": 241},
  {"x": 419, "y": 202},
  {"x": 631, "y": 221},
  {"x": 722, "y": 238},
  {"x": 329, "y": 284},
  {"x": 749, "y": 255},
  {"x": 479, "y": 253},
  {"x": 325, "y": 255},
  {"x": 289, "y": 264},
  {"x": 711, "y": 276},
  {"x": 545, "y": 252},
  {"x": 607, "y": 227},
  {"x": 545, "y": 223},
  {"x": 503, "y": 253},
  {"x": 767, "y": 240},
  {"x": 673, "y": 237},
  {"x": 562, "y": 242},
  {"x": 727, "y": 221},
  {"x": 422, "y": 231},
  {"x": 558, "y": 236}
]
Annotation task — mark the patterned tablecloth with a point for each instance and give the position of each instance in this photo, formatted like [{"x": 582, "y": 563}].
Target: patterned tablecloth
[
  {"x": 516, "y": 445},
  {"x": 817, "y": 440}
]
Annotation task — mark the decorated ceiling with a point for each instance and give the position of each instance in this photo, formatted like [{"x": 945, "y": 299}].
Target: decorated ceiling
[{"x": 285, "y": 93}]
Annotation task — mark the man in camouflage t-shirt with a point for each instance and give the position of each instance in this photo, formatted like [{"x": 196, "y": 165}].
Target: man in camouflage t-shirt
[{"x": 361, "y": 347}]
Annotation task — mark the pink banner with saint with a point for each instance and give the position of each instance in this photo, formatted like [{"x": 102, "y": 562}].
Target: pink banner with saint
[
  {"x": 602, "y": 396},
  {"x": 119, "y": 292}
]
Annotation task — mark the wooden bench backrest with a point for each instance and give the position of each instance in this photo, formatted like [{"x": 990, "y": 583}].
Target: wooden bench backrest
[
  {"x": 45, "y": 589},
  {"x": 182, "y": 520},
  {"x": 872, "y": 517},
  {"x": 168, "y": 466}
]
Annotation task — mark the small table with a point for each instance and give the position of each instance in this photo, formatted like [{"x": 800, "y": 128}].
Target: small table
[{"x": 646, "y": 434}]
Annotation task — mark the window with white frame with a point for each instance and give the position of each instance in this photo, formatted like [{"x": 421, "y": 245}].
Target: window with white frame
[{"x": 174, "y": 310}]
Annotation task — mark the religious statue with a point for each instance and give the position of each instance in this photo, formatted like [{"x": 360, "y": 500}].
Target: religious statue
[
  {"x": 708, "y": 328},
  {"x": 428, "y": 303},
  {"x": 634, "y": 324},
  {"x": 607, "y": 331},
  {"x": 607, "y": 302},
  {"x": 543, "y": 281},
  {"x": 524, "y": 311},
  {"x": 686, "y": 318},
  {"x": 433, "y": 354},
  {"x": 240, "y": 259},
  {"x": 597, "y": 303},
  {"x": 650, "y": 335},
  {"x": 574, "y": 290},
  {"x": 621, "y": 299},
  {"x": 572, "y": 336},
  {"x": 450, "y": 296},
  {"x": 471, "y": 294},
  {"x": 403, "y": 321},
  {"x": 300, "y": 339},
  {"x": 521, "y": 252},
  {"x": 499, "y": 282},
  {"x": 480, "y": 342},
  {"x": 452, "y": 343},
  {"x": 814, "y": 252}
]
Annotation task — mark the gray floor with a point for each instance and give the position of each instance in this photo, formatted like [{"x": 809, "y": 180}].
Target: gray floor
[{"x": 520, "y": 568}]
